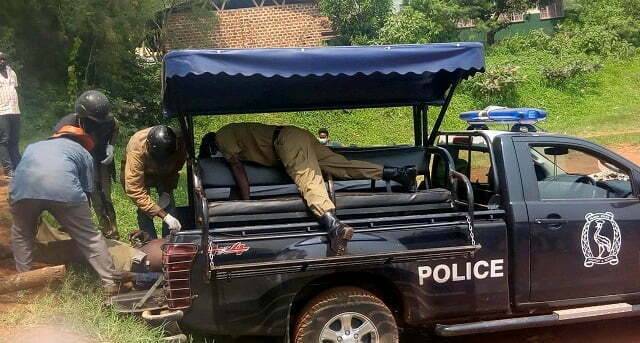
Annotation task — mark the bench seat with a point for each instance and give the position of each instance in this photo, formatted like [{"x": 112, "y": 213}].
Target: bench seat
[{"x": 343, "y": 201}]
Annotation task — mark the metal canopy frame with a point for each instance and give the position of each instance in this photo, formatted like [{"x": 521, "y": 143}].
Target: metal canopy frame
[{"x": 422, "y": 137}]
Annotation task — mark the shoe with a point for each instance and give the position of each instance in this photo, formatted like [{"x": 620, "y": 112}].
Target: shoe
[
  {"x": 406, "y": 176},
  {"x": 339, "y": 233}
]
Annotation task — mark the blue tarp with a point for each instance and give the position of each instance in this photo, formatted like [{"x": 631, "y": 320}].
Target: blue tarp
[{"x": 272, "y": 80}]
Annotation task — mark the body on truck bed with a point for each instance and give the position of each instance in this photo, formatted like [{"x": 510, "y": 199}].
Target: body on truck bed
[{"x": 508, "y": 230}]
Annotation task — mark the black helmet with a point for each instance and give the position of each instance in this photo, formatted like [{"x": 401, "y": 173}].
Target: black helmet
[
  {"x": 162, "y": 142},
  {"x": 93, "y": 105}
]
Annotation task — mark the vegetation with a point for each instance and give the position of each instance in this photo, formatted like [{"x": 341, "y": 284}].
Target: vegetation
[
  {"x": 356, "y": 21},
  {"x": 76, "y": 306}
]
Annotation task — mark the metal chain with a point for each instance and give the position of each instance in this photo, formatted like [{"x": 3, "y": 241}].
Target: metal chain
[{"x": 471, "y": 235}]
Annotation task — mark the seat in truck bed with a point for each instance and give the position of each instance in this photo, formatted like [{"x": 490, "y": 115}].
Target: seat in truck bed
[{"x": 273, "y": 192}]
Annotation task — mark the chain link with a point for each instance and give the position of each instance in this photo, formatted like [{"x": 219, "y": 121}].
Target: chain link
[{"x": 471, "y": 235}]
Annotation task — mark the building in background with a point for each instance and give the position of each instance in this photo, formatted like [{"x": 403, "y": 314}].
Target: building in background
[
  {"x": 252, "y": 24},
  {"x": 542, "y": 17}
]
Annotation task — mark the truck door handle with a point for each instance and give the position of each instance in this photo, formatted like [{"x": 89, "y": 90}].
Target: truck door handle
[{"x": 551, "y": 223}]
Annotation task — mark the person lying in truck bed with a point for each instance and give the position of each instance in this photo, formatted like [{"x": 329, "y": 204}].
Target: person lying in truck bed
[{"x": 305, "y": 160}]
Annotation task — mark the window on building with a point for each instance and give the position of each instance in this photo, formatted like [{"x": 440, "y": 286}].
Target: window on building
[
  {"x": 465, "y": 23},
  {"x": 555, "y": 9}
]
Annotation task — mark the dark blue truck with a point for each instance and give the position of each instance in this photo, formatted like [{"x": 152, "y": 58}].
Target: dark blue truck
[{"x": 508, "y": 229}]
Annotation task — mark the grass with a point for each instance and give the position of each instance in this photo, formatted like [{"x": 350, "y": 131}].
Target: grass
[{"x": 76, "y": 306}]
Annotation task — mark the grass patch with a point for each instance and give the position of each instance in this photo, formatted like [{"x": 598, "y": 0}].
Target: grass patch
[{"x": 76, "y": 306}]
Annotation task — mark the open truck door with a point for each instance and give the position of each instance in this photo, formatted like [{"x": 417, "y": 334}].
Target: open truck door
[{"x": 583, "y": 219}]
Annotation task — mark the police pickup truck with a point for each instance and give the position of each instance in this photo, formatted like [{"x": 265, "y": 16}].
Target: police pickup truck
[{"x": 508, "y": 229}]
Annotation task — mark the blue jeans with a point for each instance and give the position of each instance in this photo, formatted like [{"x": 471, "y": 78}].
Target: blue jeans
[{"x": 145, "y": 223}]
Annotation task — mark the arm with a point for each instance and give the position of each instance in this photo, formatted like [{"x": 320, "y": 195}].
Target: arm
[
  {"x": 85, "y": 167},
  {"x": 240, "y": 176},
  {"x": 116, "y": 130},
  {"x": 134, "y": 186}
]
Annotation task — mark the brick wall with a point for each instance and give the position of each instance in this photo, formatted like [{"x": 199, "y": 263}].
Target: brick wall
[{"x": 268, "y": 26}]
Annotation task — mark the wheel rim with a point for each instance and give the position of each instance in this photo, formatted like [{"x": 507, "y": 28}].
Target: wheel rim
[{"x": 349, "y": 327}]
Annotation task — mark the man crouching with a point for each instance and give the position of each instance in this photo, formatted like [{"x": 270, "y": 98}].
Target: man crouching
[{"x": 56, "y": 175}]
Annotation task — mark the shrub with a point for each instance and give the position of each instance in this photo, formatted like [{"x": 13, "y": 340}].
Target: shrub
[
  {"x": 569, "y": 69},
  {"x": 497, "y": 85}
]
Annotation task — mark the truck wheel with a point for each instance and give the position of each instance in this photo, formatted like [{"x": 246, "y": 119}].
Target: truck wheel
[{"x": 346, "y": 315}]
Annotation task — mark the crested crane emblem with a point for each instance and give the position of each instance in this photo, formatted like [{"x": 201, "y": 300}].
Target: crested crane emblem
[{"x": 603, "y": 233}]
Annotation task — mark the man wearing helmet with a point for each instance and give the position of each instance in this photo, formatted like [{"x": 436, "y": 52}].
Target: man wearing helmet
[
  {"x": 56, "y": 175},
  {"x": 92, "y": 114},
  {"x": 154, "y": 158}
]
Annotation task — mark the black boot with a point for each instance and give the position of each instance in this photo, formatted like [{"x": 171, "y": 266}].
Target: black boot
[
  {"x": 406, "y": 176},
  {"x": 339, "y": 233}
]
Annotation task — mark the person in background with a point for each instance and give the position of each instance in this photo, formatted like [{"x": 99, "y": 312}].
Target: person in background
[
  {"x": 92, "y": 114},
  {"x": 323, "y": 138},
  {"x": 56, "y": 175},
  {"x": 154, "y": 158},
  {"x": 9, "y": 118}
]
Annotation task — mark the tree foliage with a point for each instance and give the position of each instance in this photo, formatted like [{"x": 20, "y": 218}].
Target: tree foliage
[
  {"x": 420, "y": 21},
  {"x": 356, "y": 21},
  {"x": 67, "y": 46},
  {"x": 491, "y": 16}
]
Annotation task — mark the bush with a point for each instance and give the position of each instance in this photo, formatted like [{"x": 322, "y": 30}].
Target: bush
[
  {"x": 497, "y": 86},
  {"x": 569, "y": 69},
  {"x": 408, "y": 27}
]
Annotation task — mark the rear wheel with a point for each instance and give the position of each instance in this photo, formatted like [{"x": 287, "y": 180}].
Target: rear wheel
[{"x": 346, "y": 315}]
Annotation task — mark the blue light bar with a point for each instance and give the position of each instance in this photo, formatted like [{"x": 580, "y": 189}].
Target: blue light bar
[{"x": 502, "y": 115}]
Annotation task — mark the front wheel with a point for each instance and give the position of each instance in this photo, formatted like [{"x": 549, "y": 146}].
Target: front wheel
[{"x": 346, "y": 315}]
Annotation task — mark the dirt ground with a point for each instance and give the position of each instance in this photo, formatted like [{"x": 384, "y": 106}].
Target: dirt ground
[{"x": 622, "y": 330}]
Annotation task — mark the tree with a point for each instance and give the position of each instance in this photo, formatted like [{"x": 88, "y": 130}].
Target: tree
[
  {"x": 159, "y": 36},
  {"x": 493, "y": 15},
  {"x": 421, "y": 21},
  {"x": 410, "y": 26},
  {"x": 356, "y": 21}
]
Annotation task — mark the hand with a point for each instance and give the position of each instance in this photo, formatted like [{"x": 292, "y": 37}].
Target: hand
[
  {"x": 164, "y": 200},
  {"x": 174, "y": 224},
  {"x": 109, "y": 152}
]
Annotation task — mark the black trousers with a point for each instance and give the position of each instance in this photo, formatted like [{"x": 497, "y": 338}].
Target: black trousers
[{"x": 9, "y": 140}]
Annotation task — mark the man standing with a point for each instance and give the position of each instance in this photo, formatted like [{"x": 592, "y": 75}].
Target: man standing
[
  {"x": 92, "y": 114},
  {"x": 305, "y": 160},
  {"x": 154, "y": 158},
  {"x": 9, "y": 118},
  {"x": 55, "y": 175}
]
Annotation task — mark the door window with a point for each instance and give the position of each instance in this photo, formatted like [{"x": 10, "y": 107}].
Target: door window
[{"x": 567, "y": 173}]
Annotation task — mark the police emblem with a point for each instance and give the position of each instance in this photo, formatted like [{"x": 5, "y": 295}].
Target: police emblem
[{"x": 603, "y": 230}]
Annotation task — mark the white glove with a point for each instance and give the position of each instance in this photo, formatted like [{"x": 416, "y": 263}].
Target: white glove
[
  {"x": 174, "y": 224},
  {"x": 109, "y": 152},
  {"x": 164, "y": 200}
]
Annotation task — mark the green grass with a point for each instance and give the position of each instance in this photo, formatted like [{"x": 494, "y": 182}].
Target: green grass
[{"x": 76, "y": 305}]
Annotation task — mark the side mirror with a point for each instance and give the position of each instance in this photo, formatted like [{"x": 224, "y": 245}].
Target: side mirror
[{"x": 556, "y": 151}]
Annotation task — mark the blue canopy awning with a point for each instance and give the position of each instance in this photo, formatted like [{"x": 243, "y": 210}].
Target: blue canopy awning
[{"x": 272, "y": 80}]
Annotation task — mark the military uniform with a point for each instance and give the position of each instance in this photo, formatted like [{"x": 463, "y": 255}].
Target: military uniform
[
  {"x": 140, "y": 172},
  {"x": 102, "y": 134},
  {"x": 304, "y": 158}
]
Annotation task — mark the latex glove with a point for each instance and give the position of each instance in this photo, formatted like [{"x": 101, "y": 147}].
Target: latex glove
[
  {"x": 174, "y": 224},
  {"x": 109, "y": 152},
  {"x": 164, "y": 200}
]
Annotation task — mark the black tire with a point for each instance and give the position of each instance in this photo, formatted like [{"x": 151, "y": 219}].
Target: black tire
[{"x": 321, "y": 313}]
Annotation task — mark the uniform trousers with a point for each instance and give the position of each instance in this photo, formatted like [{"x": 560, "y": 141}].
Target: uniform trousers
[
  {"x": 75, "y": 218},
  {"x": 306, "y": 160}
]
